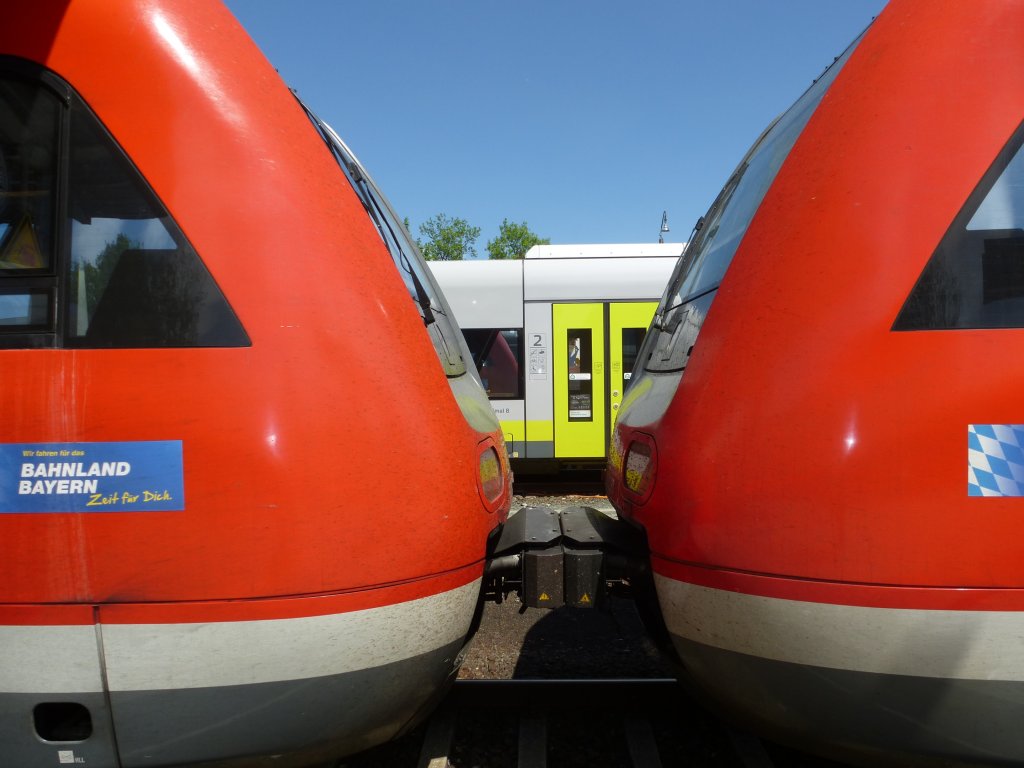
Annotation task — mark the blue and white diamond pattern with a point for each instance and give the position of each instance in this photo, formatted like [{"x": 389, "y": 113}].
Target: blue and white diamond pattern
[{"x": 995, "y": 460}]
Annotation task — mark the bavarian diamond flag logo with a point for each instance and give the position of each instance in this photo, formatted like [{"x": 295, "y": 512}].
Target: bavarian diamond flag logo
[{"x": 995, "y": 460}]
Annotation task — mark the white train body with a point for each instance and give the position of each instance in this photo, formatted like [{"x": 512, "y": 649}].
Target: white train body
[{"x": 554, "y": 336}]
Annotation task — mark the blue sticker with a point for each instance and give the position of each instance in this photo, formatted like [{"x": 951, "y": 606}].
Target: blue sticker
[
  {"x": 995, "y": 460},
  {"x": 92, "y": 477}
]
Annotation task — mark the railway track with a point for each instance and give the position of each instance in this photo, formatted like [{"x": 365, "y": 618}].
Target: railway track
[
  {"x": 550, "y": 722},
  {"x": 595, "y": 723}
]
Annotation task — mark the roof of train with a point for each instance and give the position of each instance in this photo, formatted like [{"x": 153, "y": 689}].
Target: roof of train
[
  {"x": 490, "y": 293},
  {"x": 604, "y": 250}
]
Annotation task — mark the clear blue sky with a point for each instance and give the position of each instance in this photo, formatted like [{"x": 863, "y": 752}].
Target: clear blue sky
[{"x": 585, "y": 118}]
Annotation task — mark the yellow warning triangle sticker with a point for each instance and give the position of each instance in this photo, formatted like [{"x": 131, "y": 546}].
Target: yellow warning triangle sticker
[
  {"x": 585, "y": 599},
  {"x": 543, "y": 597},
  {"x": 22, "y": 249}
]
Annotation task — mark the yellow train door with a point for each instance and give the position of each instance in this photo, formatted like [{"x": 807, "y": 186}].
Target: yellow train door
[
  {"x": 578, "y": 367},
  {"x": 627, "y": 325}
]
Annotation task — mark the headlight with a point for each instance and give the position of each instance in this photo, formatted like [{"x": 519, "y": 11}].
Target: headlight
[
  {"x": 640, "y": 467},
  {"x": 491, "y": 479}
]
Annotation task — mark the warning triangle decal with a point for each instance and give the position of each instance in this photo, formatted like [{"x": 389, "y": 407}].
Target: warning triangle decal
[{"x": 22, "y": 248}]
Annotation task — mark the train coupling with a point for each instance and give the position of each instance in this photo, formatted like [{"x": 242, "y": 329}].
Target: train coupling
[{"x": 576, "y": 557}]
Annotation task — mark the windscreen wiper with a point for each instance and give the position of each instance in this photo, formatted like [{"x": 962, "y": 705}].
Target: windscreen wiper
[
  {"x": 377, "y": 209},
  {"x": 381, "y": 220}
]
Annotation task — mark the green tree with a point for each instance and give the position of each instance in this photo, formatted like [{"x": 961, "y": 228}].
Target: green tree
[
  {"x": 447, "y": 239},
  {"x": 513, "y": 241},
  {"x": 97, "y": 273}
]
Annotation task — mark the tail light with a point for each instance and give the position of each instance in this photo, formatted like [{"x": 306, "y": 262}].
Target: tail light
[
  {"x": 640, "y": 467},
  {"x": 491, "y": 476}
]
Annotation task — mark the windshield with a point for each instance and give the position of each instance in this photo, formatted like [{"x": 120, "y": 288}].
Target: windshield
[
  {"x": 418, "y": 281},
  {"x": 706, "y": 259},
  {"x": 719, "y": 232}
]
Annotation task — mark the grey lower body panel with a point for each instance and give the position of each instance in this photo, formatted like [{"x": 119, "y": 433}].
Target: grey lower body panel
[
  {"x": 864, "y": 717},
  {"x": 538, "y": 449},
  {"x": 285, "y": 723},
  {"x": 21, "y": 746}
]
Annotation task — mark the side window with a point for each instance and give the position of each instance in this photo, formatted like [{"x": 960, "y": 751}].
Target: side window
[
  {"x": 117, "y": 272},
  {"x": 29, "y": 140},
  {"x": 498, "y": 355},
  {"x": 134, "y": 279},
  {"x": 975, "y": 278}
]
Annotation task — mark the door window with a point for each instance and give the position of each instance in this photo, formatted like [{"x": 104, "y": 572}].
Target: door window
[
  {"x": 581, "y": 383},
  {"x": 632, "y": 338}
]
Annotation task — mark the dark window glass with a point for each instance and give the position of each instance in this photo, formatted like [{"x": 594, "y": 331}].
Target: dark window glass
[
  {"x": 710, "y": 251},
  {"x": 121, "y": 272},
  {"x": 581, "y": 383},
  {"x": 632, "y": 338},
  {"x": 975, "y": 278},
  {"x": 436, "y": 314},
  {"x": 720, "y": 231},
  {"x": 29, "y": 133},
  {"x": 135, "y": 281},
  {"x": 498, "y": 356},
  {"x": 24, "y": 306}
]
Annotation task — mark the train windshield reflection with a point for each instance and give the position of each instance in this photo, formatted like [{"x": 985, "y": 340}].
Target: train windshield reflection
[
  {"x": 718, "y": 234},
  {"x": 706, "y": 259},
  {"x": 432, "y": 307}
]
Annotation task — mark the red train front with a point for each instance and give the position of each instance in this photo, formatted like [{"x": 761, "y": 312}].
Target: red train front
[
  {"x": 246, "y": 492},
  {"x": 825, "y": 446}
]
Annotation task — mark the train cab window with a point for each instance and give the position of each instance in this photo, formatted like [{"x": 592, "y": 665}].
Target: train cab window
[
  {"x": 135, "y": 280},
  {"x": 24, "y": 307},
  {"x": 117, "y": 272},
  {"x": 426, "y": 296},
  {"x": 720, "y": 231},
  {"x": 498, "y": 355},
  {"x": 975, "y": 278},
  {"x": 30, "y": 117}
]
